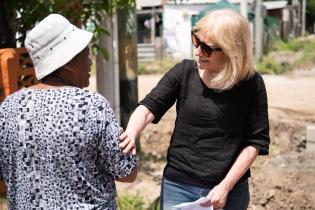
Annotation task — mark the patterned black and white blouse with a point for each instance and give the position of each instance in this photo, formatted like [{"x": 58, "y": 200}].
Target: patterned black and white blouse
[{"x": 59, "y": 150}]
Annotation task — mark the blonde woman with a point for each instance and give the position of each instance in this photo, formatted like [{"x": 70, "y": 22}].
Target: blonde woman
[{"x": 222, "y": 119}]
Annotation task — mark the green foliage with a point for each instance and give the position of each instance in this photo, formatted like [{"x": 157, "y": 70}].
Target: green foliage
[
  {"x": 267, "y": 66},
  {"x": 135, "y": 202},
  {"x": 293, "y": 45},
  {"x": 130, "y": 202},
  {"x": 142, "y": 68},
  {"x": 308, "y": 47},
  {"x": 24, "y": 15},
  {"x": 154, "y": 205},
  {"x": 299, "y": 52}
]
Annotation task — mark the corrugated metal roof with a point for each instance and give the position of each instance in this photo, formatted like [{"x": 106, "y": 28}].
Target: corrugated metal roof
[
  {"x": 192, "y": 2},
  {"x": 275, "y": 4},
  {"x": 153, "y": 3},
  {"x": 239, "y": 1},
  {"x": 204, "y": 1}
]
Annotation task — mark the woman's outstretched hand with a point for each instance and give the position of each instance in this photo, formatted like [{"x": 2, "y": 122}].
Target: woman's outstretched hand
[
  {"x": 127, "y": 143},
  {"x": 139, "y": 119}
]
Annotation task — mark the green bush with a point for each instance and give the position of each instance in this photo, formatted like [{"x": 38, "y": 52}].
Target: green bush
[
  {"x": 267, "y": 66},
  {"x": 135, "y": 202},
  {"x": 270, "y": 66},
  {"x": 293, "y": 45},
  {"x": 130, "y": 202},
  {"x": 303, "y": 49},
  {"x": 142, "y": 68},
  {"x": 308, "y": 52},
  {"x": 155, "y": 205}
]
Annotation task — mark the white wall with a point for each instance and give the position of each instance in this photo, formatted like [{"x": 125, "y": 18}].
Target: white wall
[{"x": 177, "y": 29}]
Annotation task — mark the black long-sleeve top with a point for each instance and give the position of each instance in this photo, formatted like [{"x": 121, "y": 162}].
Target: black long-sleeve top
[{"x": 211, "y": 127}]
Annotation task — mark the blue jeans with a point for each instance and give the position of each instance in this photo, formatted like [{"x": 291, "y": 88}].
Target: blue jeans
[{"x": 173, "y": 193}]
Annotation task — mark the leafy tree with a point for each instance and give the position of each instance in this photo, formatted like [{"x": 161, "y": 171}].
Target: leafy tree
[{"x": 18, "y": 16}]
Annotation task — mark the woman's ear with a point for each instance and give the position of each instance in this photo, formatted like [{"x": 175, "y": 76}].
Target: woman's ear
[{"x": 69, "y": 66}]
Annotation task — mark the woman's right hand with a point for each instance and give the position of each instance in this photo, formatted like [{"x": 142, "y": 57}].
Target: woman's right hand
[
  {"x": 139, "y": 119},
  {"x": 127, "y": 143}
]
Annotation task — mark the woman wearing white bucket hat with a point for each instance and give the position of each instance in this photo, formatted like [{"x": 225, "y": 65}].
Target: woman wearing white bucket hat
[{"x": 59, "y": 143}]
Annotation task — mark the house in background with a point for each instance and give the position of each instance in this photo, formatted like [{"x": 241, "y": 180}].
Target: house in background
[
  {"x": 179, "y": 19},
  {"x": 149, "y": 27},
  {"x": 164, "y": 26},
  {"x": 282, "y": 21}
]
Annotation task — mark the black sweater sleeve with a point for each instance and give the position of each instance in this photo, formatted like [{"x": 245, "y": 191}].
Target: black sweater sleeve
[
  {"x": 258, "y": 122},
  {"x": 164, "y": 95}
]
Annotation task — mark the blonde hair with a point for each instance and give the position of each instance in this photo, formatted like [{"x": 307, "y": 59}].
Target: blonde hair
[{"x": 231, "y": 32}]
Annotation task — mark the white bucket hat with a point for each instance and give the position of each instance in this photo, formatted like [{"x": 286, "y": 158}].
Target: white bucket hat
[{"x": 53, "y": 42}]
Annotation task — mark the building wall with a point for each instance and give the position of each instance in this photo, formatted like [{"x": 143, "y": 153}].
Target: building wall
[{"x": 177, "y": 29}]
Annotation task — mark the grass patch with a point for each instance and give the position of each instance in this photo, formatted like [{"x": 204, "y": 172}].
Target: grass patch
[
  {"x": 135, "y": 202},
  {"x": 286, "y": 56},
  {"x": 130, "y": 202},
  {"x": 269, "y": 65},
  {"x": 293, "y": 45}
]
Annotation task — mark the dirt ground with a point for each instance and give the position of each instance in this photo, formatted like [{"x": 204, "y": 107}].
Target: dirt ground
[{"x": 283, "y": 180}]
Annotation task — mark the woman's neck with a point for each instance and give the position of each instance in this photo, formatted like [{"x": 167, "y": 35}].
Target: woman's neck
[
  {"x": 207, "y": 77},
  {"x": 51, "y": 82},
  {"x": 56, "y": 80},
  {"x": 42, "y": 86}
]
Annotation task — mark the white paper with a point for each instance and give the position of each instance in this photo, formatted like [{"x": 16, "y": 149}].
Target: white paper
[{"x": 194, "y": 205}]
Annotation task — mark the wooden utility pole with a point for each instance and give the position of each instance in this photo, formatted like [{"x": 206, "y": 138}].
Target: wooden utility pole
[
  {"x": 303, "y": 16},
  {"x": 152, "y": 26},
  {"x": 117, "y": 76},
  {"x": 258, "y": 30},
  {"x": 107, "y": 71}
]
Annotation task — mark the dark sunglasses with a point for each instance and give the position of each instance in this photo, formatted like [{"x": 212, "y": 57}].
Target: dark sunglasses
[{"x": 205, "y": 49}]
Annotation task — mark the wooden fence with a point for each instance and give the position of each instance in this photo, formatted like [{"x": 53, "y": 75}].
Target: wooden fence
[{"x": 16, "y": 72}]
